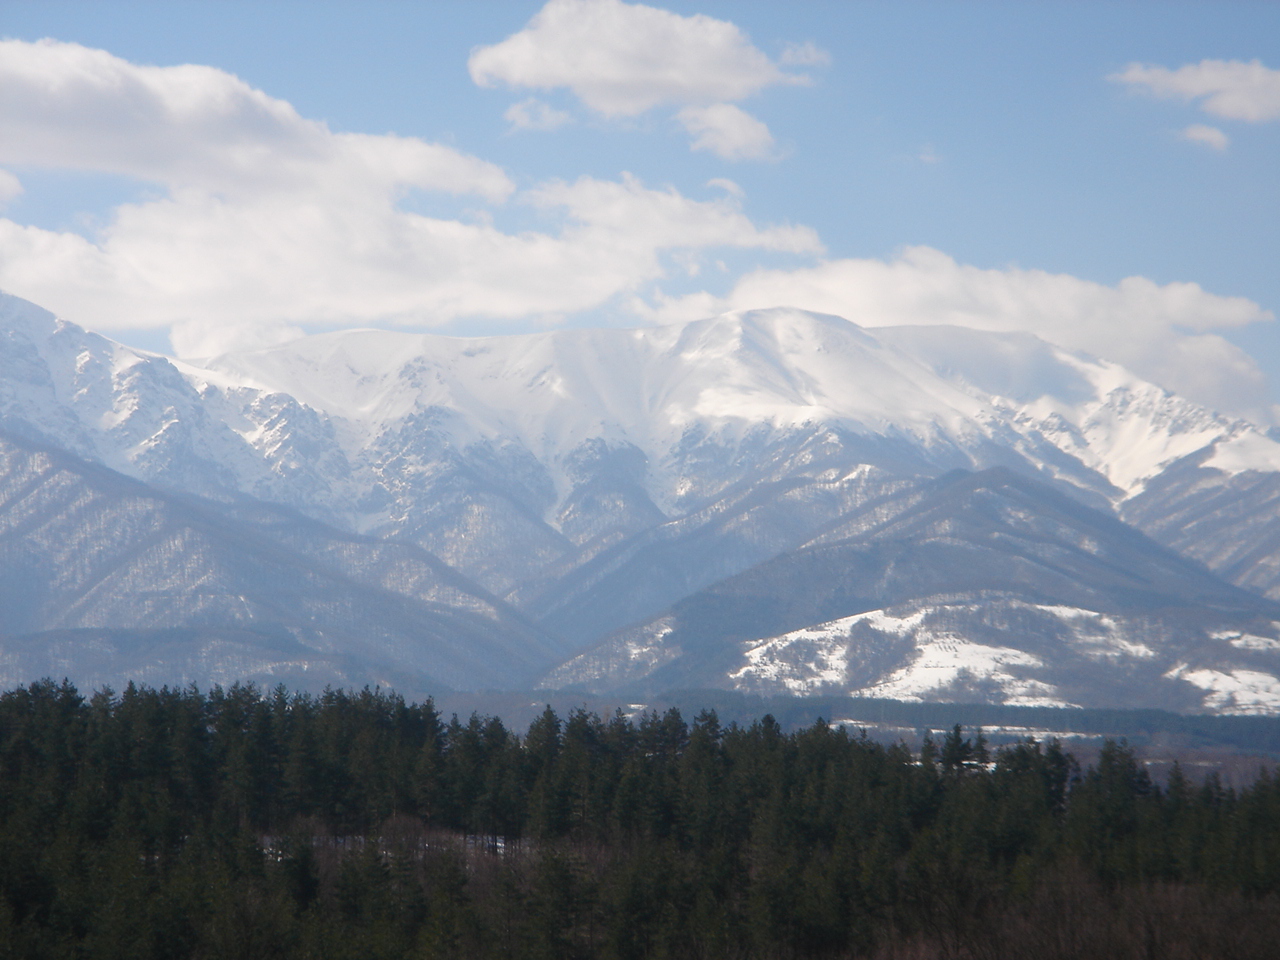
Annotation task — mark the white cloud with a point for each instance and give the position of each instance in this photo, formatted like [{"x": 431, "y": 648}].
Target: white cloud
[
  {"x": 200, "y": 259},
  {"x": 533, "y": 114},
  {"x": 10, "y": 188},
  {"x": 727, "y": 185},
  {"x": 266, "y": 221},
  {"x": 269, "y": 220},
  {"x": 629, "y": 215},
  {"x": 1164, "y": 333},
  {"x": 623, "y": 59},
  {"x": 807, "y": 54},
  {"x": 64, "y": 105},
  {"x": 199, "y": 339},
  {"x": 727, "y": 131},
  {"x": 1231, "y": 89},
  {"x": 1209, "y": 136}
]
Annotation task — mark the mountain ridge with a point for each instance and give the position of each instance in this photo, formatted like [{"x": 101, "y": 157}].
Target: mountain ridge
[
  {"x": 985, "y": 558},
  {"x": 585, "y": 481},
  {"x": 86, "y": 552}
]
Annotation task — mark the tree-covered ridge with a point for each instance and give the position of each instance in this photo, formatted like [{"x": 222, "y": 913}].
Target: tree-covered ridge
[{"x": 170, "y": 823}]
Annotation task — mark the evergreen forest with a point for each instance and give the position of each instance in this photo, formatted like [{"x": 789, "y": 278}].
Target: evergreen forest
[{"x": 247, "y": 824}]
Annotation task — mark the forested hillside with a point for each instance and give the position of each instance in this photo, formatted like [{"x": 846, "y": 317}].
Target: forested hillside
[{"x": 162, "y": 823}]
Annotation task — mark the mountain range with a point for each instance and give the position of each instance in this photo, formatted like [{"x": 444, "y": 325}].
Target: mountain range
[{"x": 770, "y": 501}]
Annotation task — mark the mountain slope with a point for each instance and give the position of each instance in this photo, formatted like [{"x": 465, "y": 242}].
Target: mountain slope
[
  {"x": 643, "y": 574},
  {"x": 983, "y": 585},
  {"x": 510, "y": 456},
  {"x": 87, "y": 554},
  {"x": 1227, "y": 517},
  {"x": 594, "y": 479}
]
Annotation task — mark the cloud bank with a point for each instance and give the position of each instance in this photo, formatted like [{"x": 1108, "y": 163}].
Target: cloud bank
[
  {"x": 622, "y": 60},
  {"x": 265, "y": 221},
  {"x": 271, "y": 219}
]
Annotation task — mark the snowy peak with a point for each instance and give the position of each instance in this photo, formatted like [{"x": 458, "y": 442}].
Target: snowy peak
[
  {"x": 781, "y": 367},
  {"x": 1112, "y": 421},
  {"x": 725, "y": 378},
  {"x": 790, "y": 368},
  {"x": 730, "y": 376},
  {"x": 600, "y": 479},
  {"x": 145, "y": 415},
  {"x": 568, "y": 438},
  {"x": 736, "y": 382},
  {"x": 79, "y": 390}
]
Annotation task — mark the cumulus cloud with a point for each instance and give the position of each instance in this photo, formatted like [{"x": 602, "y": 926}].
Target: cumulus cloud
[
  {"x": 727, "y": 131},
  {"x": 632, "y": 215},
  {"x": 533, "y": 114},
  {"x": 1210, "y": 136},
  {"x": 200, "y": 258},
  {"x": 266, "y": 221},
  {"x": 1231, "y": 89},
  {"x": 64, "y": 105},
  {"x": 623, "y": 59},
  {"x": 1166, "y": 333},
  {"x": 269, "y": 220}
]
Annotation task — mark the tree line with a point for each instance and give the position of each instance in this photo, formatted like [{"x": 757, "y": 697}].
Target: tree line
[{"x": 173, "y": 823}]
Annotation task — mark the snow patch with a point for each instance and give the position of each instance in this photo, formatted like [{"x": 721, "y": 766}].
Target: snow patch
[
  {"x": 1250, "y": 450},
  {"x": 646, "y": 647},
  {"x": 944, "y": 661},
  {"x": 801, "y": 662},
  {"x": 1099, "y": 633},
  {"x": 1233, "y": 691},
  {"x": 814, "y": 657},
  {"x": 1246, "y": 641},
  {"x": 818, "y": 657}
]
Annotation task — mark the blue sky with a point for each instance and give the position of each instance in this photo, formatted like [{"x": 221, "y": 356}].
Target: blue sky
[{"x": 980, "y": 163}]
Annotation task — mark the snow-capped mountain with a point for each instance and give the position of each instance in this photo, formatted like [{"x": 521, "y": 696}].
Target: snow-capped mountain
[
  {"x": 738, "y": 384},
  {"x": 593, "y": 478}
]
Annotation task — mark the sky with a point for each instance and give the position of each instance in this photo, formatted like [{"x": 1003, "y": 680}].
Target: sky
[{"x": 195, "y": 178}]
